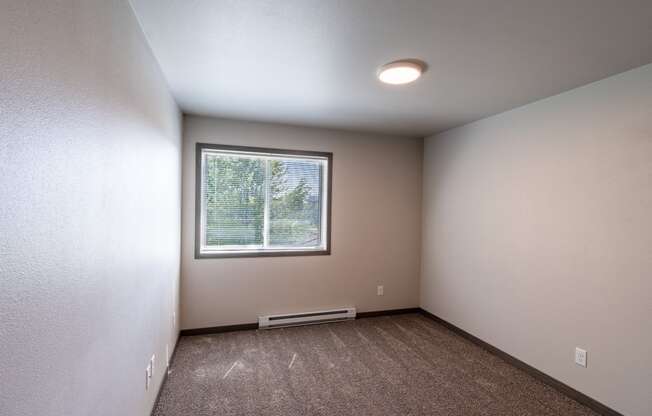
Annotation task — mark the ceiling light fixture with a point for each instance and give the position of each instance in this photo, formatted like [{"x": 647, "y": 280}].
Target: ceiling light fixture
[{"x": 401, "y": 72}]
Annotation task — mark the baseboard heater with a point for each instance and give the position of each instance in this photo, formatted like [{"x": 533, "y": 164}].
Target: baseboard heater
[{"x": 305, "y": 318}]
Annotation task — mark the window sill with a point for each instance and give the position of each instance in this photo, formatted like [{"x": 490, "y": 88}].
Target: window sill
[{"x": 235, "y": 254}]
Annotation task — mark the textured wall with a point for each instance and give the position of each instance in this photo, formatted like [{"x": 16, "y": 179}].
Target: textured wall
[
  {"x": 89, "y": 210},
  {"x": 375, "y": 230},
  {"x": 538, "y": 235}
]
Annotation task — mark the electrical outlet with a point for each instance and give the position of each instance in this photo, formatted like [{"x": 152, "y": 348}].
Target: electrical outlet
[
  {"x": 580, "y": 357},
  {"x": 149, "y": 371},
  {"x": 380, "y": 291},
  {"x": 148, "y": 375}
]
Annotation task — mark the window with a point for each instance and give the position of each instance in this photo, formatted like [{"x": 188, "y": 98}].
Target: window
[{"x": 261, "y": 202}]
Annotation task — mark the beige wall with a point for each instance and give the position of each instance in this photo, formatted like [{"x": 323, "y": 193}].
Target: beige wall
[
  {"x": 90, "y": 188},
  {"x": 538, "y": 235},
  {"x": 375, "y": 230}
]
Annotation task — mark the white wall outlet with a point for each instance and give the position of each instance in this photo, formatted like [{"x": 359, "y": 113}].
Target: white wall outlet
[
  {"x": 380, "y": 290},
  {"x": 149, "y": 371},
  {"x": 580, "y": 357},
  {"x": 148, "y": 375}
]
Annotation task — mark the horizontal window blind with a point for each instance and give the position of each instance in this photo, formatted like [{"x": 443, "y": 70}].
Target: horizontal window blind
[
  {"x": 295, "y": 203},
  {"x": 234, "y": 197},
  {"x": 258, "y": 201}
]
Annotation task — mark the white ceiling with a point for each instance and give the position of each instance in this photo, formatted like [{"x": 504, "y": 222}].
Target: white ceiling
[{"x": 313, "y": 62}]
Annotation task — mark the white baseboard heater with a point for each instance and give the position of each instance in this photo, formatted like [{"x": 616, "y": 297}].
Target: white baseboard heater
[{"x": 305, "y": 318}]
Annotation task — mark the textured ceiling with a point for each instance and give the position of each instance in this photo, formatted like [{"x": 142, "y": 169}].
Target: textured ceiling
[{"x": 313, "y": 62}]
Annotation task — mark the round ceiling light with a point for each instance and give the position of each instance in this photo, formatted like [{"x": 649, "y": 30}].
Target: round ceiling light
[{"x": 400, "y": 72}]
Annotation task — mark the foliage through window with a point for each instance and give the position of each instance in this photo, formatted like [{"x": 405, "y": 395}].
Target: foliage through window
[{"x": 256, "y": 201}]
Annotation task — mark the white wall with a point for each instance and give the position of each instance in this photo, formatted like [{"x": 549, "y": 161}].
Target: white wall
[
  {"x": 375, "y": 230},
  {"x": 89, "y": 210},
  {"x": 538, "y": 235}
]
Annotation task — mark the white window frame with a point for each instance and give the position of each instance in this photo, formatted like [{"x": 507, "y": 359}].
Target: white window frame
[{"x": 204, "y": 251}]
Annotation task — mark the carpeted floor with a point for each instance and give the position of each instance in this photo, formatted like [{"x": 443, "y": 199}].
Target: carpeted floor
[{"x": 394, "y": 365}]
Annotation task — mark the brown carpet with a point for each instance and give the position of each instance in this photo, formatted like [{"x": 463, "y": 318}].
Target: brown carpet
[{"x": 395, "y": 365}]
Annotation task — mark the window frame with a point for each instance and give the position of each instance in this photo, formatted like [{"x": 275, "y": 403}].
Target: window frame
[{"x": 328, "y": 156}]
